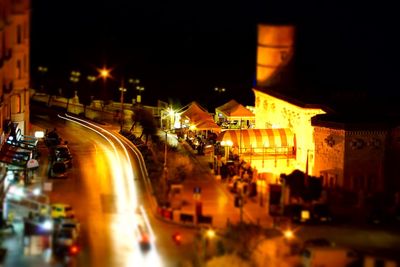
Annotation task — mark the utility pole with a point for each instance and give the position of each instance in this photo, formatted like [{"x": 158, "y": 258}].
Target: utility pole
[{"x": 122, "y": 89}]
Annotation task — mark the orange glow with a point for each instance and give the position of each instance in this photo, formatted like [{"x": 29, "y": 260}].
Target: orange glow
[
  {"x": 105, "y": 73},
  {"x": 273, "y": 112},
  {"x": 74, "y": 249},
  {"x": 275, "y": 47}
]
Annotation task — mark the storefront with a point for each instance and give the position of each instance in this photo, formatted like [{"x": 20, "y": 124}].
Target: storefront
[{"x": 268, "y": 150}]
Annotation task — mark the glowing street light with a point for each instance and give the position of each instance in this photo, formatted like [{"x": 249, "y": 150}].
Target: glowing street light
[
  {"x": 91, "y": 78},
  {"x": 219, "y": 89},
  {"x": 104, "y": 73},
  {"x": 47, "y": 225},
  {"x": 210, "y": 233},
  {"x": 140, "y": 89},
  {"x": 122, "y": 89},
  {"x": 42, "y": 70},
  {"x": 288, "y": 234}
]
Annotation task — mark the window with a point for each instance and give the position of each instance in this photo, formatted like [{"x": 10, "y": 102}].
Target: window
[
  {"x": 18, "y": 70},
  {"x": 25, "y": 64},
  {"x": 19, "y": 34},
  {"x": 25, "y": 30}
]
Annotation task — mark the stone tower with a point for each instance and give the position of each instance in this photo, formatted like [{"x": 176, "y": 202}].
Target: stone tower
[{"x": 275, "y": 48}]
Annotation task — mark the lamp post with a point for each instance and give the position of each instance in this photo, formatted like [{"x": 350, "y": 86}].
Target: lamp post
[
  {"x": 165, "y": 149},
  {"x": 134, "y": 82},
  {"x": 140, "y": 89},
  {"x": 171, "y": 114},
  {"x": 219, "y": 89},
  {"x": 104, "y": 74},
  {"x": 91, "y": 79},
  {"x": 122, "y": 89},
  {"x": 42, "y": 70},
  {"x": 74, "y": 79}
]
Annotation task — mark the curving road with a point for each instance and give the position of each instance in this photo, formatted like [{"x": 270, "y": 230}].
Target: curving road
[{"x": 106, "y": 186}]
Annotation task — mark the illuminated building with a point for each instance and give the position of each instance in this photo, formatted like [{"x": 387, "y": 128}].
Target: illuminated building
[
  {"x": 353, "y": 153},
  {"x": 284, "y": 137},
  {"x": 14, "y": 64},
  {"x": 14, "y": 84}
]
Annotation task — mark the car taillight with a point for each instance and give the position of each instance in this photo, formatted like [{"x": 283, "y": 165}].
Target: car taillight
[{"x": 74, "y": 249}]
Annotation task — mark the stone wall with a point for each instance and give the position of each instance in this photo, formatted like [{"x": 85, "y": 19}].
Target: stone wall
[
  {"x": 351, "y": 160},
  {"x": 329, "y": 155}
]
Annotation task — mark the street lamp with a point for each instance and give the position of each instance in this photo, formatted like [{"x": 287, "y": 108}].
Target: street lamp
[
  {"x": 122, "y": 89},
  {"x": 219, "y": 89},
  {"x": 104, "y": 73},
  {"x": 42, "y": 70},
  {"x": 140, "y": 89},
  {"x": 207, "y": 235},
  {"x": 133, "y": 82},
  {"x": 91, "y": 78}
]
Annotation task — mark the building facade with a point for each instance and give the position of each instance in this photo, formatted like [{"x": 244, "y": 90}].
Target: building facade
[
  {"x": 277, "y": 112},
  {"x": 14, "y": 81},
  {"x": 14, "y": 64},
  {"x": 353, "y": 154}
]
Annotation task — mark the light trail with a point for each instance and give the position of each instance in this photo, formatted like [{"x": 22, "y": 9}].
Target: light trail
[{"x": 123, "y": 223}]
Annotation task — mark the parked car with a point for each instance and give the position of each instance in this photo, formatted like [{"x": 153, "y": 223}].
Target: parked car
[
  {"x": 66, "y": 243},
  {"x": 58, "y": 170},
  {"x": 61, "y": 211},
  {"x": 52, "y": 138},
  {"x": 69, "y": 223},
  {"x": 66, "y": 237},
  {"x": 63, "y": 154}
]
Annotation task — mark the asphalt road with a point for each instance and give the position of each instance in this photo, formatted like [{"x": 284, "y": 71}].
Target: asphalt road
[{"x": 105, "y": 186}]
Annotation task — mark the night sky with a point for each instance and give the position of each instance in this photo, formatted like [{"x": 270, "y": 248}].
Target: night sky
[{"x": 181, "y": 48}]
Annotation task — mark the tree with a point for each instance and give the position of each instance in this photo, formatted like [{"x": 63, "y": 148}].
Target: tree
[
  {"x": 146, "y": 120},
  {"x": 307, "y": 188},
  {"x": 295, "y": 181},
  {"x": 69, "y": 93},
  {"x": 180, "y": 166},
  {"x": 85, "y": 94}
]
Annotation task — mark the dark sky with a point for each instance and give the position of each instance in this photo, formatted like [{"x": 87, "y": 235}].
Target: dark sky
[{"x": 181, "y": 48}]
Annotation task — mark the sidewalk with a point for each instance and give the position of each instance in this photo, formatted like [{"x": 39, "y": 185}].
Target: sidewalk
[{"x": 216, "y": 199}]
